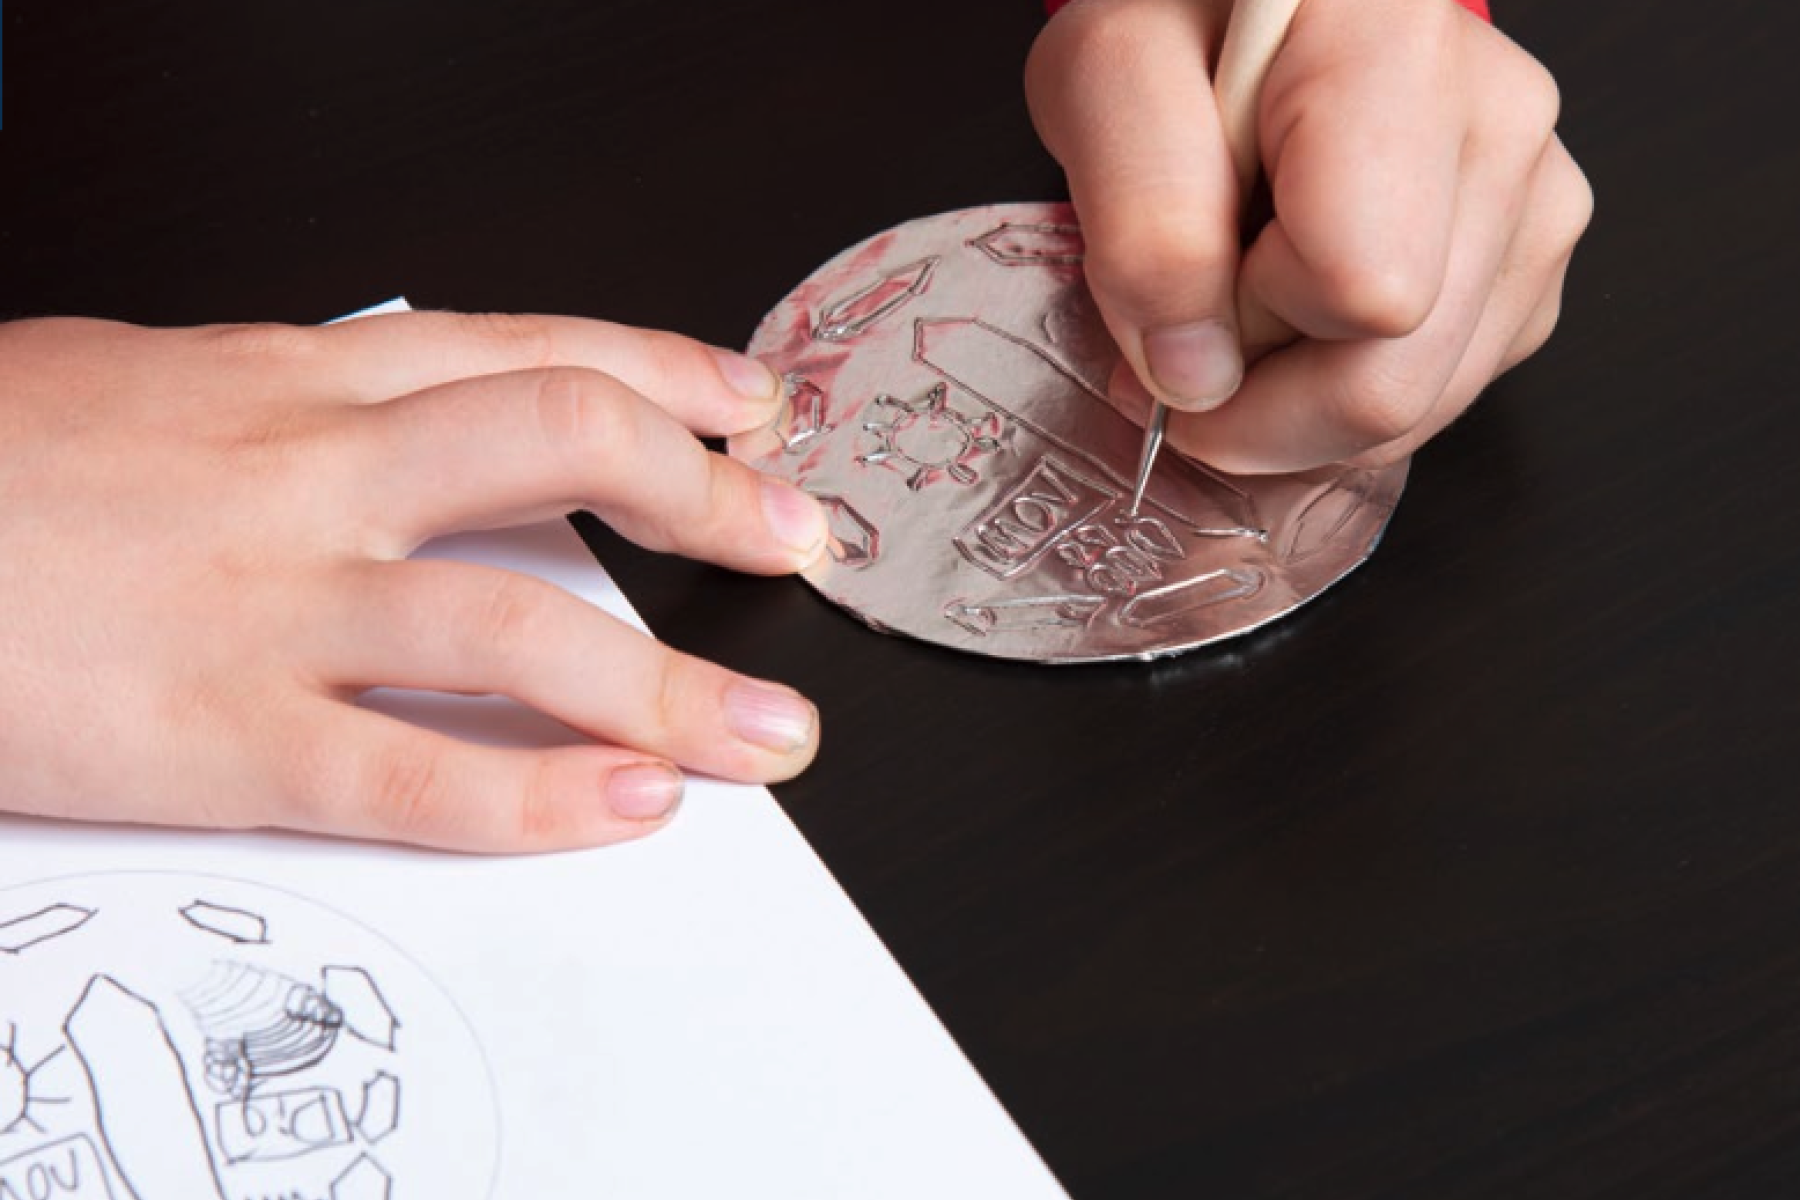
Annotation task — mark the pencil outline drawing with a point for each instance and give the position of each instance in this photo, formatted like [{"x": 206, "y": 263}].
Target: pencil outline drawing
[
  {"x": 46, "y": 924},
  {"x": 238, "y": 925},
  {"x": 179, "y": 1053},
  {"x": 259, "y": 1024},
  {"x": 143, "y": 1103},
  {"x": 69, "y": 1167},
  {"x": 275, "y": 1126},
  {"x": 358, "y": 999},
  {"x": 18, "y": 1091}
]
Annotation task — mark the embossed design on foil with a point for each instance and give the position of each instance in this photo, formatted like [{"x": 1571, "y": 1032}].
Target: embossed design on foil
[
  {"x": 927, "y": 439},
  {"x": 857, "y": 312},
  {"x": 806, "y": 414},
  {"x": 1021, "y": 527},
  {"x": 1031, "y": 245},
  {"x": 1325, "y": 515},
  {"x": 1118, "y": 566},
  {"x": 1202, "y": 591},
  {"x": 989, "y": 363},
  {"x": 851, "y": 539},
  {"x": 1021, "y": 548},
  {"x": 1032, "y": 612}
]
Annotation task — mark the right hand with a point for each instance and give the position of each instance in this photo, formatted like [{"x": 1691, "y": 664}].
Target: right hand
[
  {"x": 203, "y": 562},
  {"x": 1425, "y": 214}
]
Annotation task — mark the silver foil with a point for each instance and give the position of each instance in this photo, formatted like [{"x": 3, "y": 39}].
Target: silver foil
[{"x": 946, "y": 402}]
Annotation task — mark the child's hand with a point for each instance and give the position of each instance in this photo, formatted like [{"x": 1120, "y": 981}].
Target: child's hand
[
  {"x": 1425, "y": 214},
  {"x": 202, "y": 535}
]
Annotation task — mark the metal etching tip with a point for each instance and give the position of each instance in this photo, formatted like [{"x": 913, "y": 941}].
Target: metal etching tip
[{"x": 1153, "y": 440}]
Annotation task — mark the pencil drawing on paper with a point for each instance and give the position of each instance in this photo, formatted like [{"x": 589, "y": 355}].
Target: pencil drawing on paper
[
  {"x": 18, "y": 1094},
  {"x": 171, "y": 1038},
  {"x": 52, "y": 921},
  {"x": 232, "y": 924}
]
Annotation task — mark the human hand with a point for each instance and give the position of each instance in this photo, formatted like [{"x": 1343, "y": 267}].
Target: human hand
[
  {"x": 203, "y": 536},
  {"x": 1424, "y": 218}
]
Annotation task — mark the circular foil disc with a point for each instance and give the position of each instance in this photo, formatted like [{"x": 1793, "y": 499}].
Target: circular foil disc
[{"x": 946, "y": 402}]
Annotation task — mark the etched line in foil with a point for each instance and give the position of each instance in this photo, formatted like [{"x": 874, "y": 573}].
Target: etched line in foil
[
  {"x": 1031, "y": 245},
  {"x": 860, "y": 310},
  {"x": 1035, "y": 612},
  {"x": 806, "y": 414},
  {"x": 851, "y": 538},
  {"x": 926, "y": 439},
  {"x": 1116, "y": 567},
  {"x": 1202, "y": 591},
  {"x": 951, "y": 346},
  {"x": 1326, "y": 515},
  {"x": 1022, "y": 525}
]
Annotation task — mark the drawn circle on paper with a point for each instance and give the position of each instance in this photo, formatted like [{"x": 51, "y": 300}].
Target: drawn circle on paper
[
  {"x": 946, "y": 386},
  {"x": 203, "y": 1038}
]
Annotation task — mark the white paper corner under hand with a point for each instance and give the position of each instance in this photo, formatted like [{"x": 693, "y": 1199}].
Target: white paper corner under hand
[{"x": 700, "y": 1013}]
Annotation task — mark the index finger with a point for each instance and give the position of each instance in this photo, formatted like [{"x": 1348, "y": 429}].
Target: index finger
[
  {"x": 710, "y": 390},
  {"x": 1122, "y": 97}
]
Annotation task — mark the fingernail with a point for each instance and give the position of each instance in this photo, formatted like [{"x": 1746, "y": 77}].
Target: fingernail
[
  {"x": 794, "y": 517},
  {"x": 746, "y": 376},
  {"x": 1199, "y": 366},
  {"x": 644, "y": 791},
  {"x": 769, "y": 716}
]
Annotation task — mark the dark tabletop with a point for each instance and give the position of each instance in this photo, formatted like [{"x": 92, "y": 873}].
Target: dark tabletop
[{"x": 1478, "y": 878}]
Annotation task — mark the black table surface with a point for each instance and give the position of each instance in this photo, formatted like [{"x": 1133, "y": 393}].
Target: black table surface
[{"x": 1478, "y": 878}]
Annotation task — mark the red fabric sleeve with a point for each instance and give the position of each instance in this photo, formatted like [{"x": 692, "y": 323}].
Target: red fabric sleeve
[{"x": 1478, "y": 7}]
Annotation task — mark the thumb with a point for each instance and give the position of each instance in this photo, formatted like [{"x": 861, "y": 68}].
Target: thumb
[{"x": 1121, "y": 96}]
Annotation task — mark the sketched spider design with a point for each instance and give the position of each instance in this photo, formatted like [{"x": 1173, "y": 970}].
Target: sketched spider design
[
  {"x": 17, "y": 1096},
  {"x": 926, "y": 439}
]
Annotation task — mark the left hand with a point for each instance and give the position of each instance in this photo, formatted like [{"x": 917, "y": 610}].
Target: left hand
[{"x": 1424, "y": 217}]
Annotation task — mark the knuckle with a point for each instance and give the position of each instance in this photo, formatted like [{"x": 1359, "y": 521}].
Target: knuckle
[
  {"x": 1382, "y": 456},
  {"x": 310, "y": 783},
  {"x": 1378, "y": 405},
  {"x": 523, "y": 339},
  {"x": 577, "y": 419},
  {"x": 1081, "y": 31},
  {"x": 672, "y": 708},
  {"x": 1386, "y": 298},
  {"x": 696, "y": 505},
  {"x": 512, "y": 622},
  {"x": 1576, "y": 200},
  {"x": 1540, "y": 327},
  {"x": 262, "y": 341},
  {"x": 671, "y": 358},
  {"x": 401, "y": 795},
  {"x": 1528, "y": 104},
  {"x": 1088, "y": 48},
  {"x": 541, "y": 814},
  {"x": 729, "y": 496},
  {"x": 1543, "y": 97}
]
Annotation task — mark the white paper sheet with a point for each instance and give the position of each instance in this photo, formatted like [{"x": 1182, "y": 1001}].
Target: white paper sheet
[{"x": 702, "y": 1014}]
